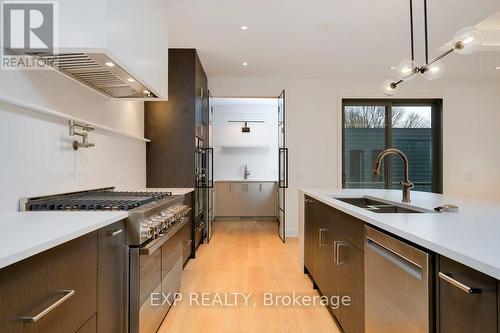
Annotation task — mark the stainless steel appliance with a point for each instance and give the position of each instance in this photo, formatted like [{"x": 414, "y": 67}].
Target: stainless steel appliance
[
  {"x": 93, "y": 70},
  {"x": 156, "y": 263},
  {"x": 397, "y": 286},
  {"x": 203, "y": 196},
  {"x": 154, "y": 247}
]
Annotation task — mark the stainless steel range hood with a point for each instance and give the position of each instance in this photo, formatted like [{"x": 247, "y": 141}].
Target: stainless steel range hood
[{"x": 99, "y": 72}]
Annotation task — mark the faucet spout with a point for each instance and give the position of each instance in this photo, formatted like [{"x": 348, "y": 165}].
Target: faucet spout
[{"x": 406, "y": 183}]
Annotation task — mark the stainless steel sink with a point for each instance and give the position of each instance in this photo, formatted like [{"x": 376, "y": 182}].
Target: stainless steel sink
[{"x": 378, "y": 206}]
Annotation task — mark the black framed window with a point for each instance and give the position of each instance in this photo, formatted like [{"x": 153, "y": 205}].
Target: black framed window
[{"x": 413, "y": 126}]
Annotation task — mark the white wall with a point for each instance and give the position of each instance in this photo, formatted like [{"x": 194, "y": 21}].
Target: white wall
[
  {"x": 262, "y": 161},
  {"x": 471, "y": 129},
  {"x": 37, "y": 157}
]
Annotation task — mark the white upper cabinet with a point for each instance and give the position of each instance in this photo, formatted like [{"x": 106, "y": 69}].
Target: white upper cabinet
[{"x": 131, "y": 33}]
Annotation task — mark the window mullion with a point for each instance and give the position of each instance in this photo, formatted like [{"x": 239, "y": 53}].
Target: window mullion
[{"x": 388, "y": 144}]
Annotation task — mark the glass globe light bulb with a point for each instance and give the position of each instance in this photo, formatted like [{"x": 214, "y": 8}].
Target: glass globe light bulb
[
  {"x": 388, "y": 87},
  {"x": 434, "y": 71},
  {"x": 405, "y": 69},
  {"x": 468, "y": 40}
]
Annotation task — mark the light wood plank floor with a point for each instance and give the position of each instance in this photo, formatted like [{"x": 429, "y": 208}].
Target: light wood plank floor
[{"x": 248, "y": 257}]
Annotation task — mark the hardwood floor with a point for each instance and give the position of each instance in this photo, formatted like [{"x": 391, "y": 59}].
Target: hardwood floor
[{"x": 245, "y": 257}]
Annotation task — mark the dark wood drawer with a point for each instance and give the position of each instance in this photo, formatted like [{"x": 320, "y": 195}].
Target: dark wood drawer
[
  {"x": 462, "y": 312},
  {"x": 65, "y": 275}
]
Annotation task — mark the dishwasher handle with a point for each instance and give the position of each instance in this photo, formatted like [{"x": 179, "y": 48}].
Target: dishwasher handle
[{"x": 395, "y": 258}]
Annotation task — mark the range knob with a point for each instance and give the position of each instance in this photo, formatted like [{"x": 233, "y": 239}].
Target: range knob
[{"x": 146, "y": 231}]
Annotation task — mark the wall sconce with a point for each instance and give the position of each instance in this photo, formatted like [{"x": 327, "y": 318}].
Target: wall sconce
[{"x": 246, "y": 128}]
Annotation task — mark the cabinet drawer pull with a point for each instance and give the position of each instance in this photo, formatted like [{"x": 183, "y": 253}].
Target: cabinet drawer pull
[
  {"x": 308, "y": 200},
  {"x": 321, "y": 237},
  {"x": 458, "y": 284},
  {"x": 67, "y": 295},
  {"x": 338, "y": 253},
  {"x": 115, "y": 233}
]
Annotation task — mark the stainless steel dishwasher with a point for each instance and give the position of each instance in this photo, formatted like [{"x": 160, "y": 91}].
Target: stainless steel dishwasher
[{"x": 397, "y": 286}]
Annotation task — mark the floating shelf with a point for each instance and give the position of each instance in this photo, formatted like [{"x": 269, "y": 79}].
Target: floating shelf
[
  {"x": 245, "y": 147},
  {"x": 64, "y": 116}
]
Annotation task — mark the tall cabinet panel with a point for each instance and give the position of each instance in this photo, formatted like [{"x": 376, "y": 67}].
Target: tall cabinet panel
[{"x": 178, "y": 130}]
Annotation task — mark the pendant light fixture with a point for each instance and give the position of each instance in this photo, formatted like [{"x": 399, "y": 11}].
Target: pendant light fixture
[{"x": 465, "y": 41}]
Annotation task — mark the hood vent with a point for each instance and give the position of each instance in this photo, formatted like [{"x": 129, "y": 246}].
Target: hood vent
[{"x": 99, "y": 72}]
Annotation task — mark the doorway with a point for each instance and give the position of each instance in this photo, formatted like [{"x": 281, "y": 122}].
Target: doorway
[{"x": 250, "y": 159}]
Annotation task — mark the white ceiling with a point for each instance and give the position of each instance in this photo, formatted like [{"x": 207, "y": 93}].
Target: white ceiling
[{"x": 323, "y": 38}]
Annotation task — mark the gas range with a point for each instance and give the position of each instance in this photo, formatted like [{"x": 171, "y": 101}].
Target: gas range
[
  {"x": 151, "y": 214},
  {"x": 155, "y": 246}
]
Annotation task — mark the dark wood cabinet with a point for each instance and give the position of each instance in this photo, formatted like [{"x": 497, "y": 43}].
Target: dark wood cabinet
[
  {"x": 65, "y": 275},
  {"x": 178, "y": 130},
  {"x": 351, "y": 261},
  {"x": 85, "y": 277},
  {"x": 172, "y": 126},
  {"x": 112, "y": 271},
  {"x": 461, "y": 310},
  {"x": 334, "y": 258},
  {"x": 308, "y": 234}
]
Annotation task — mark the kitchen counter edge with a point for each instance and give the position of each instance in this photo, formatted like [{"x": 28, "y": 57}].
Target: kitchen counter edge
[{"x": 25, "y": 234}]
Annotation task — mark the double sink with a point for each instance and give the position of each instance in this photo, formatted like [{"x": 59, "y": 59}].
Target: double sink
[{"x": 380, "y": 207}]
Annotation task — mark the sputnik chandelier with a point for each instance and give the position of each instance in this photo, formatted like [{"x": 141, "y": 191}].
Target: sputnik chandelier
[{"x": 465, "y": 41}]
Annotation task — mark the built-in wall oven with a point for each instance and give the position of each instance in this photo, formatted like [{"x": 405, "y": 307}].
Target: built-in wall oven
[{"x": 204, "y": 182}]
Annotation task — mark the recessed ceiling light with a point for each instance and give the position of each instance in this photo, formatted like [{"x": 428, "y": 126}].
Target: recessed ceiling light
[
  {"x": 497, "y": 68},
  {"x": 130, "y": 80},
  {"x": 110, "y": 64},
  {"x": 392, "y": 68},
  {"x": 146, "y": 92},
  {"x": 244, "y": 27},
  {"x": 244, "y": 64}
]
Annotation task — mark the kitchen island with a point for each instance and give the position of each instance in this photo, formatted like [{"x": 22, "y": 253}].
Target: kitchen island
[
  {"x": 471, "y": 236},
  {"x": 435, "y": 271}
]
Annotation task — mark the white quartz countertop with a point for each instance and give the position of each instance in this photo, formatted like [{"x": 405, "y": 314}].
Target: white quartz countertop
[
  {"x": 25, "y": 234},
  {"x": 471, "y": 236}
]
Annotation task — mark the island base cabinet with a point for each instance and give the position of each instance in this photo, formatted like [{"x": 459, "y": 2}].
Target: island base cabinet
[
  {"x": 335, "y": 262},
  {"x": 65, "y": 275},
  {"x": 461, "y": 311},
  {"x": 308, "y": 234}
]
